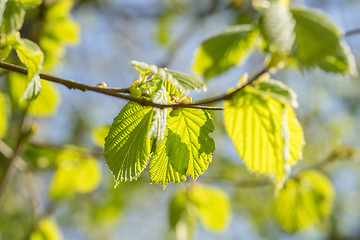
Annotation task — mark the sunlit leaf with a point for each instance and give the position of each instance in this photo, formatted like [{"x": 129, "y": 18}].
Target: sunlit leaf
[
  {"x": 46, "y": 229},
  {"x": 77, "y": 172},
  {"x": 213, "y": 206},
  {"x": 13, "y": 16},
  {"x": 187, "y": 149},
  {"x": 44, "y": 105},
  {"x": 318, "y": 43},
  {"x": 2, "y": 9},
  {"x": 225, "y": 50},
  {"x": 304, "y": 201},
  {"x": 4, "y": 52},
  {"x": 277, "y": 28},
  {"x": 3, "y": 116},
  {"x": 127, "y": 147},
  {"x": 181, "y": 80},
  {"x": 158, "y": 123},
  {"x": 65, "y": 30},
  {"x": 99, "y": 134},
  {"x": 28, "y": 3},
  {"x": 59, "y": 10},
  {"x": 265, "y": 132}
]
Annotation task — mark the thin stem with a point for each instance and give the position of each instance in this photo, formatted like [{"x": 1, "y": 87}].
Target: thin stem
[{"x": 352, "y": 32}]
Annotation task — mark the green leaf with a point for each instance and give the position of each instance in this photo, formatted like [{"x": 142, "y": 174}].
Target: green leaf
[
  {"x": 4, "y": 52},
  {"x": 127, "y": 146},
  {"x": 265, "y": 132},
  {"x": 225, "y": 50},
  {"x": 3, "y": 115},
  {"x": 318, "y": 43},
  {"x": 181, "y": 80},
  {"x": 2, "y": 9},
  {"x": 304, "y": 201},
  {"x": 277, "y": 28},
  {"x": 59, "y": 10},
  {"x": 158, "y": 123},
  {"x": 99, "y": 134},
  {"x": 278, "y": 90},
  {"x": 186, "y": 150},
  {"x": 45, "y": 104},
  {"x": 163, "y": 28},
  {"x": 31, "y": 55},
  {"x": 13, "y": 17},
  {"x": 46, "y": 229},
  {"x": 77, "y": 173},
  {"x": 65, "y": 30},
  {"x": 214, "y": 207}
]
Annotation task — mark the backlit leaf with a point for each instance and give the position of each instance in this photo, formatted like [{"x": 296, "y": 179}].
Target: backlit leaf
[
  {"x": 265, "y": 132},
  {"x": 181, "y": 80},
  {"x": 31, "y": 55},
  {"x": 304, "y": 201},
  {"x": 225, "y": 50},
  {"x": 44, "y": 105},
  {"x": 277, "y": 28},
  {"x": 318, "y": 43},
  {"x": 13, "y": 17},
  {"x": 187, "y": 148},
  {"x": 3, "y": 116},
  {"x": 127, "y": 146},
  {"x": 46, "y": 229}
]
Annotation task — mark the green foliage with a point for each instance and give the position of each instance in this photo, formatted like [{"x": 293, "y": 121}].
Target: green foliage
[
  {"x": 46, "y": 229},
  {"x": 264, "y": 130},
  {"x": 210, "y": 205},
  {"x": 3, "y": 115},
  {"x": 304, "y": 201},
  {"x": 13, "y": 17},
  {"x": 77, "y": 172},
  {"x": 225, "y": 50},
  {"x": 186, "y": 150},
  {"x": 181, "y": 80},
  {"x": 44, "y": 105},
  {"x": 127, "y": 146},
  {"x": 318, "y": 43},
  {"x": 158, "y": 123}
]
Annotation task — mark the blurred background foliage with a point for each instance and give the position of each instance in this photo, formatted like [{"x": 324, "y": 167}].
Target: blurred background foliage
[{"x": 61, "y": 190}]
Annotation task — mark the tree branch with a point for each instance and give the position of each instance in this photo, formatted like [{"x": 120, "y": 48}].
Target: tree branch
[
  {"x": 352, "y": 32},
  {"x": 114, "y": 92}
]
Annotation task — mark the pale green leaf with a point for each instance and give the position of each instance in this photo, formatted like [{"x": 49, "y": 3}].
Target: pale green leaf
[
  {"x": 225, "y": 50},
  {"x": 214, "y": 207},
  {"x": 127, "y": 147},
  {"x": 46, "y": 229},
  {"x": 181, "y": 80},
  {"x": 44, "y": 105},
  {"x": 304, "y": 201},
  {"x": 13, "y": 17},
  {"x": 4, "y": 52},
  {"x": 2, "y": 9},
  {"x": 278, "y": 90},
  {"x": 318, "y": 43},
  {"x": 3, "y": 115},
  {"x": 187, "y": 148},
  {"x": 59, "y": 10},
  {"x": 65, "y": 30},
  {"x": 159, "y": 120},
  {"x": 98, "y": 135},
  {"x": 265, "y": 132},
  {"x": 77, "y": 173},
  {"x": 31, "y": 55},
  {"x": 277, "y": 28}
]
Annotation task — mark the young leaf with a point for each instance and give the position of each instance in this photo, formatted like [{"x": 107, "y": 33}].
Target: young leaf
[
  {"x": 213, "y": 206},
  {"x": 181, "y": 80},
  {"x": 46, "y": 229},
  {"x": 64, "y": 29},
  {"x": 13, "y": 17},
  {"x": 158, "y": 123},
  {"x": 2, "y": 9},
  {"x": 127, "y": 146},
  {"x": 277, "y": 28},
  {"x": 304, "y": 201},
  {"x": 3, "y": 116},
  {"x": 44, "y": 105},
  {"x": 318, "y": 43},
  {"x": 186, "y": 150},
  {"x": 31, "y": 55},
  {"x": 28, "y": 3},
  {"x": 265, "y": 132},
  {"x": 225, "y": 50}
]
